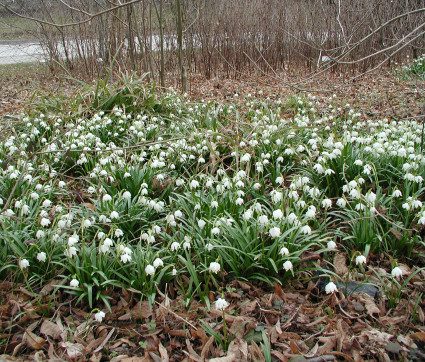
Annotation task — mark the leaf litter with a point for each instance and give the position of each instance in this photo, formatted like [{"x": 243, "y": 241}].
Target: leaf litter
[{"x": 298, "y": 321}]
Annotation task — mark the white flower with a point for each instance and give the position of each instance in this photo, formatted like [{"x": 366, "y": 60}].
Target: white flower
[
  {"x": 221, "y": 304},
  {"x": 284, "y": 251},
  {"x": 306, "y": 229},
  {"x": 106, "y": 198},
  {"x": 46, "y": 203},
  {"x": 276, "y": 196},
  {"x": 41, "y": 256},
  {"x": 214, "y": 204},
  {"x": 127, "y": 174},
  {"x": 397, "y": 193},
  {"x": 341, "y": 203},
  {"x": 74, "y": 283},
  {"x": 114, "y": 215},
  {"x": 215, "y": 231},
  {"x": 263, "y": 219},
  {"x": 90, "y": 190},
  {"x": 331, "y": 245},
  {"x": 355, "y": 194},
  {"x": 406, "y": 206},
  {"x": 126, "y": 195},
  {"x": 72, "y": 240},
  {"x": 292, "y": 218},
  {"x": 125, "y": 258},
  {"x": 70, "y": 252},
  {"x": 396, "y": 272},
  {"x": 245, "y": 158},
  {"x": 416, "y": 204},
  {"x": 201, "y": 224},
  {"x": 118, "y": 233},
  {"x": 330, "y": 288},
  {"x": 24, "y": 263},
  {"x": 109, "y": 242},
  {"x": 175, "y": 246},
  {"x": 194, "y": 184},
  {"x": 352, "y": 184},
  {"x": 158, "y": 263},
  {"x": 371, "y": 197},
  {"x": 287, "y": 265},
  {"x": 45, "y": 222},
  {"x": 99, "y": 316},
  {"x": 178, "y": 214},
  {"x": 239, "y": 201},
  {"x": 247, "y": 214},
  {"x": 274, "y": 232},
  {"x": 34, "y": 196},
  {"x": 256, "y": 186},
  {"x": 149, "y": 270},
  {"x": 104, "y": 248},
  {"x": 326, "y": 203},
  {"x": 277, "y": 214},
  {"x": 360, "y": 206},
  {"x": 87, "y": 223},
  {"x": 214, "y": 267},
  {"x": 186, "y": 245},
  {"x": 360, "y": 259},
  {"x": 40, "y": 234}
]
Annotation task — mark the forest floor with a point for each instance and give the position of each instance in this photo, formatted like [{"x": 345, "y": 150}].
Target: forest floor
[{"x": 297, "y": 322}]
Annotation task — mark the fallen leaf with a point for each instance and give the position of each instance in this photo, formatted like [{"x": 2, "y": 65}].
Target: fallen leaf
[
  {"x": 418, "y": 336},
  {"x": 339, "y": 264},
  {"x": 238, "y": 351},
  {"x": 141, "y": 310},
  {"x": 73, "y": 350},
  {"x": 32, "y": 340},
  {"x": 89, "y": 205},
  {"x": 294, "y": 347},
  {"x": 370, "y": 304},
  {"x": 207, "y": 347},
  {"x": 50, "y": 329}
]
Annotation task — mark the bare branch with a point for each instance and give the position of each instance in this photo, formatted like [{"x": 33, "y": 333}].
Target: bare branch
[{"x": 90, "y": 16}]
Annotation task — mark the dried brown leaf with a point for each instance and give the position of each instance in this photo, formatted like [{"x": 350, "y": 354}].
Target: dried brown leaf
[
  {"x": 49, "y": 287},
  {"x": 340, "y": 264},
  {"x": 73, "y": 350},
  {"x": 248, "y": 307},
  {"x": 191, "y": 352},
  {"x": 418, "y": 336},
  {"x": 89, "y": 205},
  {"x": 207, "y": 347},
  {"x": 294, "y": 347},
  {"x": 33, "y": 341},
  {"x": 50, "y": 329},
  {"x": 163, "y": 353},
  {"x": 141, "y": 310},
  {"x": 370, "y": 304},
  {"x": 255, "y": 352},
  {"x": 238, "y": 351}
]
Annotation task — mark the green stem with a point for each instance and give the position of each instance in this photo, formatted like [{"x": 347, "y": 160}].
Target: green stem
[{"x": 224, "y": 331}]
